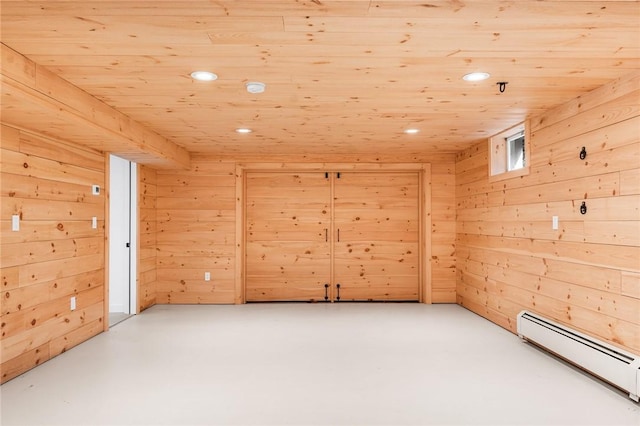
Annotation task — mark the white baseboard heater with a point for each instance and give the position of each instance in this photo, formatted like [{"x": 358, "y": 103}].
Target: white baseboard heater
[{"x": 611, "y": 364}]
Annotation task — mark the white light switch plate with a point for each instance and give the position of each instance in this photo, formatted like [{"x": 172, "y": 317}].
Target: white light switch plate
[
  {"x": 94, "y": 222},
  {"x": 73, "y": 303},
  {"x": 95, "y": 189},
  {"x": 15, "y": 222},
  {"x": 554, "y": 222}
]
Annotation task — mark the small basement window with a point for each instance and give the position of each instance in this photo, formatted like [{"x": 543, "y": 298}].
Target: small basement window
[
  {"x": 515, "y": 152},
  {"x": 509, "y": 153}
]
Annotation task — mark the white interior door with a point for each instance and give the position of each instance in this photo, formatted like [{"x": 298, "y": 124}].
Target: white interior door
[{"x": 122, "y": 235}]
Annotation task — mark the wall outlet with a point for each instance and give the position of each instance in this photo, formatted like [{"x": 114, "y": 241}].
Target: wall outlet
[
  {"x": 94, "y": 222},
  {"x": 95, "y": 189},
  {"x": 72, "y": 303},
  {"x": 554, "y": 222},
  {"x": 207, "y": 276},
  {"x": 15, "y": 222}
]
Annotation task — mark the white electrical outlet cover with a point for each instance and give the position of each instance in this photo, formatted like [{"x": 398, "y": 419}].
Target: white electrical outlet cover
[
  {"x": 207, "y": 276},
  {"x": 95, "y": 189},
  {"x": 15, "y": 222},
  {"x": 94, "y": 222},
  {"x": 554, "y": 222}
]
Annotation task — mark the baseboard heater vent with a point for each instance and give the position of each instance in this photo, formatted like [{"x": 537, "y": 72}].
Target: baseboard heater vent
[{"x": 611, "y": 364}]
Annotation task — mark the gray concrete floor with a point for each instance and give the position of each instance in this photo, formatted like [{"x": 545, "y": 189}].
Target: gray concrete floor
[
  {"x": 117, "y": 317},
  {"x": 310, "y": 364}
]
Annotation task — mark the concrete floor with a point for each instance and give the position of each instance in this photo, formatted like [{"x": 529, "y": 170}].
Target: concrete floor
[
  {"x": 310, "y": 364},
  {"x": 117, "y": 318}
]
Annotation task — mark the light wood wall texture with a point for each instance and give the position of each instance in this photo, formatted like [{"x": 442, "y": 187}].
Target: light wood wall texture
[
  {"x": 55, "y": 255},
  {"x": 443, "y": 231},
  {"x": 196, "y": 233},
  {"x": 147, "y": 241},
  {"x": 196, "y": 229},
  {"x": 586, "y": 274}
]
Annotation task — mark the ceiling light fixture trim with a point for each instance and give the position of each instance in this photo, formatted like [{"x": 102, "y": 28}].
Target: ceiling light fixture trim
[
  {"x": 243, "y": 130},
  {"x": 476, "y": 76},
  {"x": 412, "y": 131},
  {"x": 204, "y": 76},
  {"x": 256, "y": 87}
]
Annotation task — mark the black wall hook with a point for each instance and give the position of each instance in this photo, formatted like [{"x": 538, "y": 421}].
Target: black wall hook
[
  {"x": 583, "y": 207},
  {"x": 583, "y": 153},
  {"x": 502, "y": 85}
]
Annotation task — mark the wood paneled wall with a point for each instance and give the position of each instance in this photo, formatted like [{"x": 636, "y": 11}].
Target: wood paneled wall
[
  {"x": 147, "y": 241},
  {"x": 443, "y": 231},
  {"x": 492, "y": 242},
  {"x": 586, "y": 274},
  {"x": 196, "y": 233},
  {"x": 55, "y": 255},
  {"x": 196, "y": 214}
]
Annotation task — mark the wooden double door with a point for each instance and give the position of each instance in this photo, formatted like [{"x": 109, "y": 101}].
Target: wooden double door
[{"x": 348, "y": 236}]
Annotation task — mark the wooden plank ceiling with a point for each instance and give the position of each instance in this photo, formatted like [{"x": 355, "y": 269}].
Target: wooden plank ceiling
[{"x": 343, "y": 77}]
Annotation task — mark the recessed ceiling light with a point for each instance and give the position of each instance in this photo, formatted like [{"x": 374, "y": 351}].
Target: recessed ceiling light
[
  {"x": 411, "y": 131},
  {"x": 203, "y": 76},
  {"x": 476, "y": 76},
  {"x": 255, "y": 87},
  {"x": 243, "y": 130}
]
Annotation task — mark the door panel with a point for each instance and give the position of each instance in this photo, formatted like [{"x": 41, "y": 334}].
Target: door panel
[
  {"x": 376, "y": 251},
  {"x": 119, "y": 235},
  {"x": 287, "y": 236}
]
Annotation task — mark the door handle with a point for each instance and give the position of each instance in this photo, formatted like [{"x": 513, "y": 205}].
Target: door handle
[
  {"x": 338, "y": 296},
  {"x": 326, "y": 292},
  {"x": 326, "y": 235},
  {"x": 338, "y": 234}
]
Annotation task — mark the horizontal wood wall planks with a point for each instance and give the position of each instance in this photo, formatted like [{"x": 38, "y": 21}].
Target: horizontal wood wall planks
[
  {"x": 195, "y": 214},
  {"x": 198, "y": 212},
  {"x": 585, "y": 273},
  {"x": 148, "y": 236},
  {"x": 55, "y": 255}
]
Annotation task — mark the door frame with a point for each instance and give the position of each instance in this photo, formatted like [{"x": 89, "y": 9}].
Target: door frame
[
  {"x": 134, "y": 255},
  {"x": 424, "y": 211}
]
